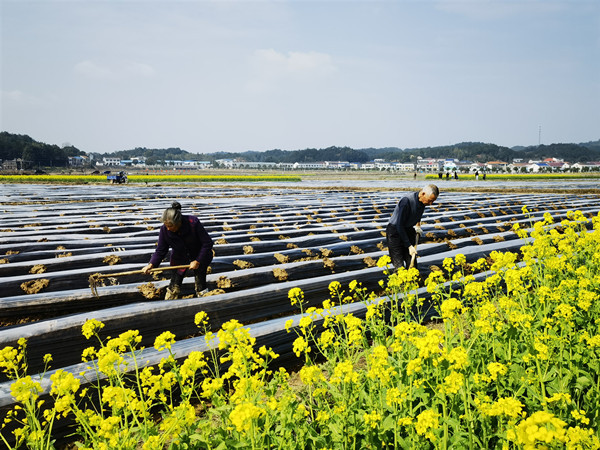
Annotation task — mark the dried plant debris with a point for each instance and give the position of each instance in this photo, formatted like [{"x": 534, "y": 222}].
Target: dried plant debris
[
  {"x": 221, "y": 241},
  {"x": 369, "y": 262},
  {"x": 214, "y": 292},
  {"x": 248, "y": 249},
  {"x": 223, "y": 282},
  {"x": 243, "y": 264},
  {"x": 3, "y": 261},
  {"x": 280, "y": 274},
  {"x": 111, "y": 260},
  {"x": 356, "y": 250},
  {"x": 451, "y": 245},
  {"x": 498, "y": 238},
  {"x": 325, "y": 252},
  {"x": 38, "y": 268},
  {"x": 35, "y": 286},
  {"x": 328, "y": 264},
  {"x": 282, "y": 258},
  {"x": 149, "y": 290},
  {"x": 477, "y": 240}
]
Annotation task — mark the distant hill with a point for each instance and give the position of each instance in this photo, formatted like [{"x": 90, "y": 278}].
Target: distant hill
[
  {"x": 34, "y": 153},
  {"x": 22, "y": 146},
  {"x": 464, "y": 151}
]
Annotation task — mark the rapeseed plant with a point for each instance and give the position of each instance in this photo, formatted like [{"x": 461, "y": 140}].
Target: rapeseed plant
[{"x": 514, "y": 365}]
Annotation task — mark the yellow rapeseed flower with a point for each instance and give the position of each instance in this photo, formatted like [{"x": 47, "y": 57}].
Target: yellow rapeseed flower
[
  {"x": 372, "y": 419},
  {"x": 201, "y": 319},
  {"x": 243, "y": 415},
  {"x": 90, "y": 327},
  {"x": 164, "y": 340},
  {"x": 541, "y": 428},
  {"x": 296, "y": 296},
  {"x": 427, "y": 422},
  {"x": 25, "y": 389},
  {"x": 344, "y": 372},
  {"x": 300, "y": 346},
  {"x": 384, "y": 261}
]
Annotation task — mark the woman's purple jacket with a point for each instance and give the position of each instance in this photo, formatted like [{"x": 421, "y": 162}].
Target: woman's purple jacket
[{"x": 190, "y": 242}]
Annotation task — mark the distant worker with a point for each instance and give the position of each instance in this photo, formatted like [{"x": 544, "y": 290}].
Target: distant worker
[
  {"x": 405, "y": 224},
  {"x": 455, "y": 175},
  {"x": 447, "y": 175},
  {"x": 440, "y": 175},
  {"x": 477, "y": 174},
  {"x": 483, "y": 176},
  {"x": 190, "y": 244}
]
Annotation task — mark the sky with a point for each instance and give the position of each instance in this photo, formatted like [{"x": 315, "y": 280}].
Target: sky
[{"x": 237, "y": 75}]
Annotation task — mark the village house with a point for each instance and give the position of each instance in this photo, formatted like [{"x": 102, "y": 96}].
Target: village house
[
  {"x": 496, "y": 166},
  {"x": 429, "y": 164}
]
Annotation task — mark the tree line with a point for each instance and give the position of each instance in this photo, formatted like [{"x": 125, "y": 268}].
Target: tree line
[
  {"x": 33, "y": 153},
  {"x": 14, "y": 146},
  {"x": 465, "y": 151}
]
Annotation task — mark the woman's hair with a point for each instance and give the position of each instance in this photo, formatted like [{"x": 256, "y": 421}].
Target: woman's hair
[{"x": 172, "y": 216}]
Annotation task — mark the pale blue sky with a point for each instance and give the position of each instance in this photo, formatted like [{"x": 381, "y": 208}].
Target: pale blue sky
[{"x": 224, "y": 75}]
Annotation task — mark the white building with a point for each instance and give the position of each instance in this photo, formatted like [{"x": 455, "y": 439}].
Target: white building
[
  {"x": 337, "y": 164},
  {"x": 77, "y": 161},
  {"x": 430, "y": 164},
  {"x": 305, "y": 166},
  {"x": 111, "y": 161}
]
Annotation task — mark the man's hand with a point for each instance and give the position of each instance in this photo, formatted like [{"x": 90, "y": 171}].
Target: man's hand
[
  {"x": 146, "y": 269},
  {"x": 412, "y": 250},
  {"x": 194, "y": 265},
  {"x": 419, "y": 230}
]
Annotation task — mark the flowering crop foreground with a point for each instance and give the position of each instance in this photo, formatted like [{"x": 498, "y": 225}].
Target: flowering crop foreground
[{"x": 514, "y": 363}]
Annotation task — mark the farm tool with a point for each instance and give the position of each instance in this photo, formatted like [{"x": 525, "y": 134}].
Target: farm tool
[
  {"x": 414, "y": 257},
  {"x": 95, "y": 278}
]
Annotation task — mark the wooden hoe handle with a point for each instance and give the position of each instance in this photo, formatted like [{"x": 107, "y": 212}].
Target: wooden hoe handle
[{"x": 133, "y": 272}]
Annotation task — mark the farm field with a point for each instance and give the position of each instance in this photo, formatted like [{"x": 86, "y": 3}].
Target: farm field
[{"x": 268, "y": 240}]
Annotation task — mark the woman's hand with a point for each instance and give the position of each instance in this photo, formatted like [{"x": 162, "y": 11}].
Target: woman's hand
[
  {"x": 146, "y": 269},
  {"x": 194, "y": 265}
]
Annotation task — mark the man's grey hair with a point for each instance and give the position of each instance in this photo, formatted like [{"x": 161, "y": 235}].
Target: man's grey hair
[{"x": 431, "y": 189}]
